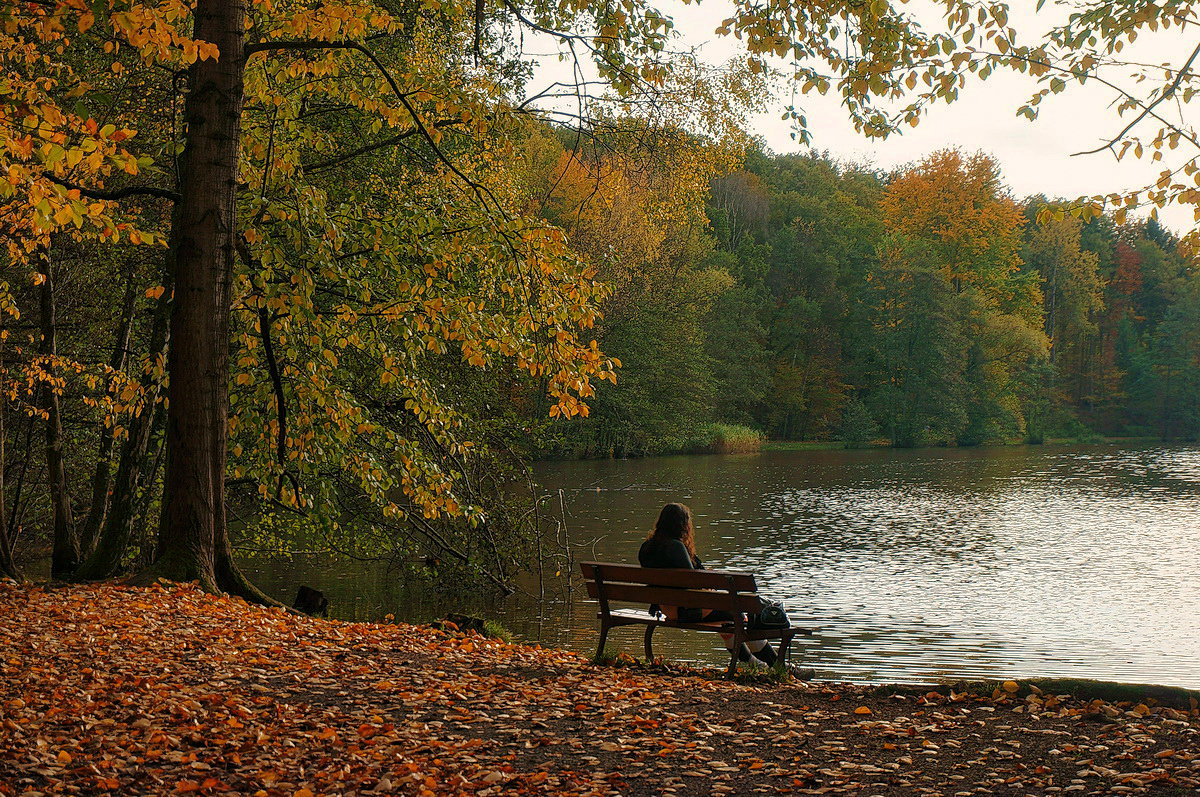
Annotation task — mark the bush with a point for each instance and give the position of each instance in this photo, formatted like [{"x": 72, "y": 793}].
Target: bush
[
  {"x": 611, "y": 657},
  {"x": 495, "y": 630},
  {"x": 722, "y": 438}
]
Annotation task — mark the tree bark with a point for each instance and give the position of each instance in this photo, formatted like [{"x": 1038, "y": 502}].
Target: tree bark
[
  {"x": 202, "y": 250},
  {"x": 65, "y": 556}
]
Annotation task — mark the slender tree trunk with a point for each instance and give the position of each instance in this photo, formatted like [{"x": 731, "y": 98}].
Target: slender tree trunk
[
  {"x": 105, "y": 560},
  {"x": 65, "y": 558},
  {"x": 193, "y": 543},
  {"x": 8, "y": 565},
  {"x": 148, "y": 540},
  {"x": 16, "y": 510},
  {"x": 102, "y": 476}
]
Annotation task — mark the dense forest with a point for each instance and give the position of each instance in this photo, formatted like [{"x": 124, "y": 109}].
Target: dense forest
[
  {"x": 289, "y": 275},
  {"x": 825, "y": 301}
]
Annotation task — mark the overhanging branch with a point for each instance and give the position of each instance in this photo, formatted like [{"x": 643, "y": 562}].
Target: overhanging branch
[
  {"x": 115, "y": 194},
  {"x": 1148, "y": 110},
  {"x": 387, "y": 142},
  {"x": 306, "y": 44}
]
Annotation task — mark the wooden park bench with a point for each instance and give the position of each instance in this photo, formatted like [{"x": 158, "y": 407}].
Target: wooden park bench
[{"x": 732, "y": 592}]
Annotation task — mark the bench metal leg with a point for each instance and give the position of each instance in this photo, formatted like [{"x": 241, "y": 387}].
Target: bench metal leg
[
  {"x": 733, "y": 660},
  {"x": 649, "y": 650}
]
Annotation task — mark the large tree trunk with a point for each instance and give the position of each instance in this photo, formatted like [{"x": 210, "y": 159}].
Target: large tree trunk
[
  {"x": 192, "y": 537},
  {"x": 65, "y": 557}
]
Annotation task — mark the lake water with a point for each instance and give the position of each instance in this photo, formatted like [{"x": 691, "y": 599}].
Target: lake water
[{"x": 914, "y": 565}]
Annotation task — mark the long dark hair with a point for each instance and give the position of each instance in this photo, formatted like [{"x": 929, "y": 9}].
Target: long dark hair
[{"x": 675, "y": 523}]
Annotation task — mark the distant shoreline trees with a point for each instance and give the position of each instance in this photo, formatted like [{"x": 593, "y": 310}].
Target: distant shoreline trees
[{"x": 922, "y": 307}]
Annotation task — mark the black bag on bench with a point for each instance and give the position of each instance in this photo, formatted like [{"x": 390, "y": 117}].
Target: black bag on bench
[{"x": 771, "y": 615}]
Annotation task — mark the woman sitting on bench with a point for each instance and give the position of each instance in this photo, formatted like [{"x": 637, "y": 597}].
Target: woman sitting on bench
[{"x": 672, "y": 544}]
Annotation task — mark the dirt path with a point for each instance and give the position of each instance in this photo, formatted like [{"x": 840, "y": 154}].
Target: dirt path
[{"x": 167, "y": 690}]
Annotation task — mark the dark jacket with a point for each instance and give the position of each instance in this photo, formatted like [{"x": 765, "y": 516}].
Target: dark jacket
[
  {"x": 667, "y": 553},
  {"x": 670, "y": 553}
]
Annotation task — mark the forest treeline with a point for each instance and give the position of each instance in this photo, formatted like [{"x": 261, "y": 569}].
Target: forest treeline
[{"x": 826, "y": 301}]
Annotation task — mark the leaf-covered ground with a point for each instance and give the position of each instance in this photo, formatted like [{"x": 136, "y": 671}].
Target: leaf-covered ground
[{"x": 168, "y": 690}]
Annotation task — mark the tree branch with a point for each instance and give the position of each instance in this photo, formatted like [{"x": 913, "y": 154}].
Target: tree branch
[
  {"x": 308, "y": 44},
  {"x": 387, "y": 142},
  {"x": 305, "y": 44},
  {"x": 264, "y": 330},
  {"x": 480, "y": 191},
  {"x": 119, "y": 193},
  {"x": 1148, "y": 110}
]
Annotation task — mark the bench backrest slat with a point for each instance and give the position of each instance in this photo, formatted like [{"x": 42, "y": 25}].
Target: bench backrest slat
[
  {"x": 691, "y": 579},
  {"x": 697, "y": 589},
  {"x": 672, "y": 596}
]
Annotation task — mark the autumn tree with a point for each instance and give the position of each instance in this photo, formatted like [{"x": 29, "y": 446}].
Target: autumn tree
[
  {"x": 825, "y": 233},
  {"x": 218, "y": 225},
  {"x": 1074, "y": 300},
  {"x": 951, "y": 215},
  {"x": 637, "y": 215},
  {"x": 56, "y": 159},
  {"x": 626, "y": 46}
]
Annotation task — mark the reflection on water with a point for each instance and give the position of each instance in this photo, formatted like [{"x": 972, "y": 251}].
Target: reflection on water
[{"x": 945, "y": 563}]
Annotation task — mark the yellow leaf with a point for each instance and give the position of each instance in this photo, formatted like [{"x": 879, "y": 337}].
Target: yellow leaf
[
  {"x": 63, "y": 215},
  {"x": 863, "y": 710},
  {"x": 1011, "y": 686},
  {"x": 154, "y": 293}
]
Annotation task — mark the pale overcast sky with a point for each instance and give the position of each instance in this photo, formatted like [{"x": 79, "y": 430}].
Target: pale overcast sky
[{"x": 1036, "y": 157}]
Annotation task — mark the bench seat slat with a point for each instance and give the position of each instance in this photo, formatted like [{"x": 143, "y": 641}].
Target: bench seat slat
[
  {"x": 673, "y": 596},
  {"x": 632, "y": 617},
  {"x": 645, "y": 618},
  {"x": 669, "y": 577}
]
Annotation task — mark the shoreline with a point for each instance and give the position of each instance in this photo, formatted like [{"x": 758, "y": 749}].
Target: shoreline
[{"x": 877, "y": 445}]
